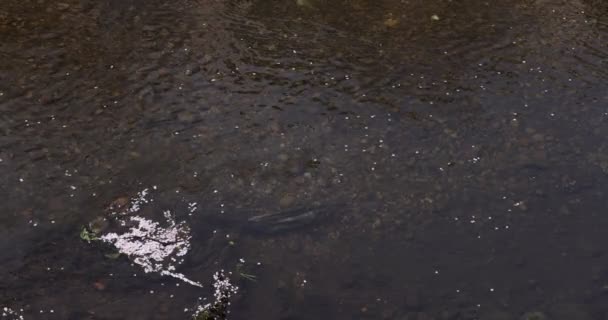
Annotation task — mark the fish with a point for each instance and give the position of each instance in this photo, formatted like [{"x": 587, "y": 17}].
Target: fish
[
  {"x": 278, "y": 222},
  {"x": 283, "y": 221}
]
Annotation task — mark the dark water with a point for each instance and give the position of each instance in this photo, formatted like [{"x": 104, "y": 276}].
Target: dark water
[{"x": 452, "y": 155}]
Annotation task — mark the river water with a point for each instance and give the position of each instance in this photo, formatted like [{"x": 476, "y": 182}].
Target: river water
[{"x": 347, "y": 159}]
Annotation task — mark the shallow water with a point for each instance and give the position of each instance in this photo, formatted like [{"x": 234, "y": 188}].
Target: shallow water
[{"x": 459, "y": 147}]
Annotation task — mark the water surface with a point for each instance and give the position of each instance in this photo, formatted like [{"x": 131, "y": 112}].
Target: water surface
[{"x": 458, "y": 148}]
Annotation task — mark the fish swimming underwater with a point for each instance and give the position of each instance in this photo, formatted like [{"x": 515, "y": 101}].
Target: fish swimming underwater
[
  {"x": 275, "y": 223},
  {"x": 289, "y": 220}
]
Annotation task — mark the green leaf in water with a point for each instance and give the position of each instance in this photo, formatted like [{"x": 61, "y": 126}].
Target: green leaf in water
[{"x": 87, "y": 235}]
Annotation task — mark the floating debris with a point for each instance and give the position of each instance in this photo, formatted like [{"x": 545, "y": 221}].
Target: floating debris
[
  {"x": 8, "y": 313},
  {"x": 218, "y": 309},
  {"x": 154, "y": 246},
  {"x": 87, "y": 235}
]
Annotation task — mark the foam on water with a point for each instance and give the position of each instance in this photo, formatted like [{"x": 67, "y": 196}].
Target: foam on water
[{"x": 154, "y": 246}]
